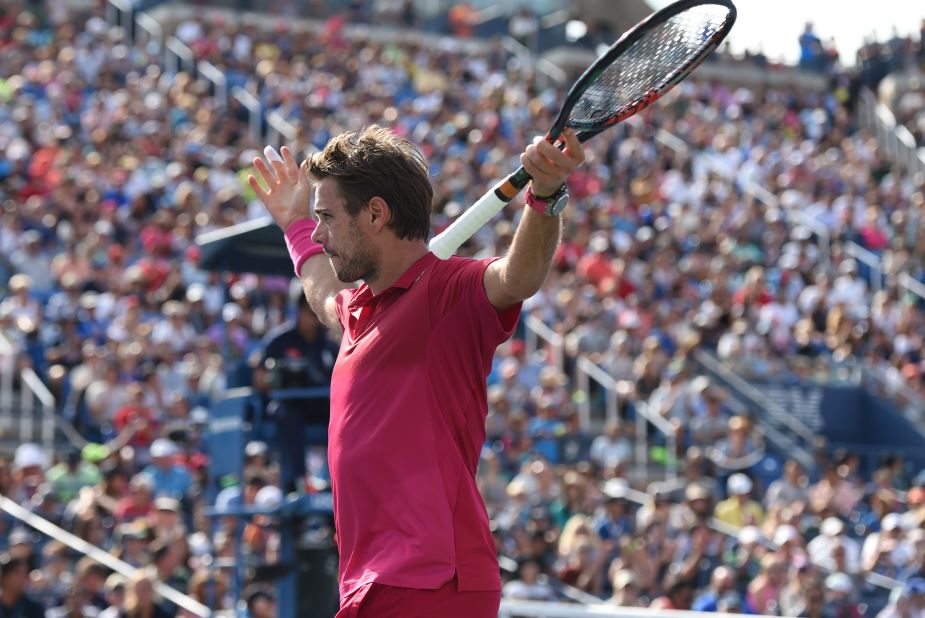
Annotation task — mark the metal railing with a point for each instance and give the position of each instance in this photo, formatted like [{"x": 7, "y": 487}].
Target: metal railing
[
  {"x": 280, "y": 132},
  {"x": 209, "y": 71},
  {"x": 144, "y": 30},
  {"x": 586, "y": 372},
  {"x": 537, "y": 331},
  {"x": 601, "y": 609},
  {"x": 886, "y": 380},
  {"x": 871, "y": 260},
  {"x": 552, "y": 73},
  {"x": 178, "y": 56},
  {"x": 777, "y": 424},
  {"x": 27, "y": 407},
  {"x": 149, "y": 28},
  {"x": 7, "y": 384},
  {"x": 254, "y": 113},
  {"x": 510, "y": 607},
  {"x": 906, "y": 282},
  {"x": 79, "y": 545},
  {"x": 37, "y": 410},
  {"x": 893, "y": 138},
  {"x": 794, "y": 216}
]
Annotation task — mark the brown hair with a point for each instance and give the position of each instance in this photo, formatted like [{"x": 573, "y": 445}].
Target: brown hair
[{"x": 375, "y": 162}]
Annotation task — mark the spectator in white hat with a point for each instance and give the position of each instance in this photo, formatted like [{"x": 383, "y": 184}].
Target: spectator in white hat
[
  {"x": 29, "y": 465},
  {"x": 831, "y": 540},
  {"x": 170, "y": 478},
  {"x": 625, "y": 592},
  {"x": 885, "y": 552},
  {"x": 789, "y": 542},
  {"x": 739, "y": 509},
  {"x": 839, "y": 597}
]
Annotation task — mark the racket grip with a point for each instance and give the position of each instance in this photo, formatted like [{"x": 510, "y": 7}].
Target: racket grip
[{"x": 445, "y": 244}]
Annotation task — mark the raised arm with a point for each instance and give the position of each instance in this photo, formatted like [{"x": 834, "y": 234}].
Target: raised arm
[
  {"x": 287, "y": 197},
  {"x": 520, "y": 274}
]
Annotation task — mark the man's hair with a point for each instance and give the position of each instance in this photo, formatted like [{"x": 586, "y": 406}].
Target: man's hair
[
  {"x": 377, "y": 162},
  {"x": 252, "y": 595},
  {"x": 10, "y": 563}
]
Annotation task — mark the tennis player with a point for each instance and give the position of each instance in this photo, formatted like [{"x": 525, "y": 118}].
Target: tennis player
[{"x": 408, "y": 396}]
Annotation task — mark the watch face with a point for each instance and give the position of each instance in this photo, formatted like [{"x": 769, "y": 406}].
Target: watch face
[{"x": 556, "y": 206}]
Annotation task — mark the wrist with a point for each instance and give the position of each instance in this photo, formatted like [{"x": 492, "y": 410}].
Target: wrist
[
  {"x": 551, "y": 205},
  {"x": 544, "y": 193},
  {"x": 298, "y": 235}
]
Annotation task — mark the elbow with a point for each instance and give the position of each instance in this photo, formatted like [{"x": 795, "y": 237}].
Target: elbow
[{"x": 520, "y": 289}]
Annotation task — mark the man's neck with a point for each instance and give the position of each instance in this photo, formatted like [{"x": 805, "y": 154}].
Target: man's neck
[{"x": 400, "y": 258}]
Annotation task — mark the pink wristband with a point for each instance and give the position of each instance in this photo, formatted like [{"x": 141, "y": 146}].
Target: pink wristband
[{"x": 300, "y": 244}]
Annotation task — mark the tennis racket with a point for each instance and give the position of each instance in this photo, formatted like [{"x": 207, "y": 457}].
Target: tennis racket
[{"x": 637, "y": 70}]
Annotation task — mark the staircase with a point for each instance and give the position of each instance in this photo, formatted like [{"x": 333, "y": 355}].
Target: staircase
[{"x": 785, "y": 432}]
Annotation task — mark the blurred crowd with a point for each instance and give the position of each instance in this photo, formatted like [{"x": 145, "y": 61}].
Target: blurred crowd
[
  {"x": 903, "y": 90},
  {"x": 111, "y": 166}
]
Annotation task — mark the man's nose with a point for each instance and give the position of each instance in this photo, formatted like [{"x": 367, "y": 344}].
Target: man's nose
[{"x": 318, "y": 235}]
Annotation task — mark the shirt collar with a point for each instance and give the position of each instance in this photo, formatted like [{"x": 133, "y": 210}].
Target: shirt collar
[{"x": 364, "y": 296}]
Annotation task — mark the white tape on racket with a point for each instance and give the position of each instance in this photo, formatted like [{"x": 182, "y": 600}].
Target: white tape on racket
[{"x": 445, "y": 244}]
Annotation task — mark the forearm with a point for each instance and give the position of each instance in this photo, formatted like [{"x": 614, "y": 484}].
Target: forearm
[
  {"x": 527, "y": 263},
  {"x": 321, "y": 287}
]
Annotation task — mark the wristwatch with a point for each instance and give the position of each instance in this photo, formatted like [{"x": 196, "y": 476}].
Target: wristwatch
[{"x": 551, "y": 206}]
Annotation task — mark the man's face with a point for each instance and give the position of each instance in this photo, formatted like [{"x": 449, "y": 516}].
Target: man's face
[
  {"x": 347, "y": 246},
  {"x": 16, "y": 580},
  {"x": 264, "y": 608},
  {"x": 164, "y": 463}
]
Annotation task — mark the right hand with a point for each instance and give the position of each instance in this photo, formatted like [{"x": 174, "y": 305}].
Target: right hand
[{"x": 288, "y": 193}]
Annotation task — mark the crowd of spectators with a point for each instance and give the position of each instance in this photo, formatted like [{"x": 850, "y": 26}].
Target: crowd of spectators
[
  {"x": 111, "y": 166},
  {"x": 903, "y": 89}
]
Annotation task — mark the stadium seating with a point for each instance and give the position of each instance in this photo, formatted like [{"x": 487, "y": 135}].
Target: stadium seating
[{"x": 675, "y": 278}]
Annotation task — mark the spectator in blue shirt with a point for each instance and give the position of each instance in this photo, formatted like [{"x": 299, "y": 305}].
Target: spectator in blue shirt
[
  {"x": 169, "y": 478},
  {"x": 545, "y": 430}
]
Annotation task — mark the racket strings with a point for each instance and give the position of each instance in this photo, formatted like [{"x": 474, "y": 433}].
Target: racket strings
[{"x": 650, "y": 63}]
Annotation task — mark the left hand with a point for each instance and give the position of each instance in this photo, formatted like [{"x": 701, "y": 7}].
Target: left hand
[{"x": 549, "y": 166}]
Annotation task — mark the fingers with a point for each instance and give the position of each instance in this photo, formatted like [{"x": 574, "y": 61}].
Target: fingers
[
  {"x": 547, "y": 161},
  {"x": 255, "y": 185},
  {"x": 537, "y": 165},
  {"x": 292, "y": 168},
  {"x": 266, "y": 173},
  {"x": 279, "y": 168},
  {"x": 276, "y": 169},
  {"x": 550, "y": 157},
  {"x": 573, "y": 148}
]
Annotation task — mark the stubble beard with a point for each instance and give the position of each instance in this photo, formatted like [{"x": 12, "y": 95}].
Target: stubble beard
[{"x": 361, "y": 263}]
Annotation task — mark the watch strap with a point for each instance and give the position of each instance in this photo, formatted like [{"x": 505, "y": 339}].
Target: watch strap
[{"x": 542, "y": 204}]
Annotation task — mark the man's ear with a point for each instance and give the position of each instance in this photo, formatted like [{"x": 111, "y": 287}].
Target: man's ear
[{"x": 378, "y": 214}]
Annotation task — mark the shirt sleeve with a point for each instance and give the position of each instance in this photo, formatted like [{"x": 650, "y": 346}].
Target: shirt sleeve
[{"x": 461, "y": 286}]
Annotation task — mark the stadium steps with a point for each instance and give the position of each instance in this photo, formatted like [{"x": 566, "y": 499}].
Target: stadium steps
[{"x": 783, "y": 432}]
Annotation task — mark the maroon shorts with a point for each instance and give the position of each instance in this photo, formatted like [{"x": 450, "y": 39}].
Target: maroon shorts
[{"x": 378, "y": 601}]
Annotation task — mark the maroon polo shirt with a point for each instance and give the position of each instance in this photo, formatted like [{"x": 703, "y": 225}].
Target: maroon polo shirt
[{"x": 408, "y": 406}]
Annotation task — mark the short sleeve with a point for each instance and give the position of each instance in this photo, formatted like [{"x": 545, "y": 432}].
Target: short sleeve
[{"x": 459, "y": 287}]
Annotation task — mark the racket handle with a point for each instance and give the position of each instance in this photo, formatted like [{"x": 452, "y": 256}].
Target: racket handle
[{"x": 445, "y": 244}]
